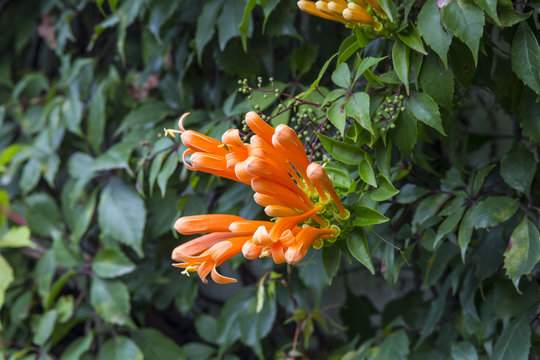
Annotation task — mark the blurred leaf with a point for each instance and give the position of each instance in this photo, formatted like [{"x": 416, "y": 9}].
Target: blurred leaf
[
  {"x": 303, "y": 57},
  {"x": 344, "y": 152},
  {"x": 244, "y": 27},
  {"x": 389, "y": 8},
  {"x": 155, "y": 345},
  {"x": 330, "y": 259},
  {"x": 110, "y": 263},
  {"x": 116, "y": 157},
  {"x": 525, "y": 56},
  {"x": 515, "y": 340},
  {"x": 530, "y": 116},
  {"x": 523, "y": 250},
  {"x": 465, "y": 20},
  {"x": 161, "y": 11},
  {"x": 463, "y": 351},
  {"x": 145, "y": 116},
  {"x": 518, "y": 168},
  {"x": 312, "y": 272},
  {"x": 110, "y": 298},
  {"x": 229, "y": 22},
  {"x": 42, "y": 215},
  {"x": 120, "y": 348},
  {"x": 5, "y": 279},
  {"x": 493, "y": 211},
  {"x": 97, "y": 119},
  {"x": 45, "y": 327},
  {"x": 194, "y": 350},
  {"x": 77, "y": 348},
  {"x": 166, "y": 171},
  {"x": 121, "y": 214},
  {"x": 358, "y": 246},
  {"x": 395, "y": 346},
  {"x": 17, "y": 237},
  {"x": 437, "y": 82},
  {"x": 206, "y": 327}
]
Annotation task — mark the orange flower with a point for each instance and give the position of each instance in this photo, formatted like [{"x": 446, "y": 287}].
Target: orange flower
[
  {"x": 294, "y": 191},
  {"x": 310, "y": 8},
  {"x": 349, "y": 13}
]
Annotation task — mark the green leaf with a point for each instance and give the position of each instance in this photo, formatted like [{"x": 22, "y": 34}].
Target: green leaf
[
  {"x": 525, "y": 57},
  {"x": 364, "y": 216},
  {"x": 315, "y": 83},
  {"x": 411, "y": 38},
  {"x": 395, "y": 347},
  {"x": 144, "y": 116},
  {"x": 45, "y": 327},
  {"x": 161, "y": 11},
  {"x": 156, "y": 345},
  {"x": 463, "y": 351},
  {"x": 429, "y": 26},
  {"x": 206, "y": 25},
  {"x": 508, "y": 16},
  {"x": 357, "y": 107},
  {"x": 464, "y": 233},
  {"x": 400, "y": 60},
  {"x": 42, "y": 215},
  {"x": 493, "y": 211},
  {"x": 358, "y": 246},
  {"x": 530, "y": 116},
  {"x": 365, "y": 170},
  {"x": 515, "y": 340},
  {"x": 109, "y": 263},
  {"x": 389, "y": 8},
  {"x": 116, "y": 157},
  {"x": 77, "y": 348},
  {"x": 231, "y": 20},
  {"x": 344, "y": 152},
  {"x": 465, "y": 20},
  {"x": 121, "y": 214},
  {"x": 336, "y": 115},
  {"x": 437, "y": 82},
  {"x": 17, "y": 237},
  {"x": 365, "y": 64},
  {"x": 426, "y": 110},
  {"x": 490, "y": 7},
  {"x": 120, "y": 348},
  {"x": 110, "y": 298},
  {"x": 385, "y": 190},
  {"x": 523, "y": 251},
  {"x": 166, "y": 171},
  {"x": 478, "y": 178},
  {"x": 206, "y": 327},
  {"x": 518, "y": 168},
  {"x": 330, "y": 259},
  {"x": 342, "y": 76},
  {"x": 30, "y": 175},
  {"x": 427, "y": 208},
  {"x": 97, "y": 118},
  {"x": 405, "y": 133},
  {"x": 6, "y": 278},
  {"x": 195, "y": 350}
]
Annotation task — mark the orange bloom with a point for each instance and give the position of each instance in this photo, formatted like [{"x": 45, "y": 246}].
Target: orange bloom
[
  {"x": 310, "y": 8},
  {"x": 322, "y": 182},
  {"x": 304, "y": 240}
]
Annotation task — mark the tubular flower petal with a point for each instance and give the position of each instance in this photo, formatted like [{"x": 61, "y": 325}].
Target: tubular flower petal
[
  {"x": 310, "y": 8},
  {"x": 318, "y": 176},
  {"x": 232, "y": 137},
  {"x": 198, "y": 245},
  {"x": 259, "y": 126},
  {"x": 199, "y": 142},
  {"x": 304, "y": 239},
  {"x": 336, "y": 7},
  {"x": 267, "y": 200},
  {"x": 197, "y": 224},
  {"x": 234, "y": 157},
  {"x": 279, "y": 211},
  {"x": 323, "y": 7},
  {"x": 250, "y": 250},
  {"x": 289, "y": 145},
  {"x": 248, "y": 227},
  {"x": 278, "y": 253},
  {"x": 270, "y": 188},
  {"x": 262, "y": 237},
  {"x": 287, "y": 238},
  {"x": 359, "y": 15},
  {"x": 213, "y": 164},
  {"x": 290, "y": 222}
]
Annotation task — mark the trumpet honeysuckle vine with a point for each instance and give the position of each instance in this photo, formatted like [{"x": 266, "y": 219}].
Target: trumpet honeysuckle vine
[{"x": 297, "y": 194}]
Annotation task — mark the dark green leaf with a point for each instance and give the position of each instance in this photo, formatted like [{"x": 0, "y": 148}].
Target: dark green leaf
[
  {"x": 344, "y": 152},
  {"x": 97, "y": 119},
  {"x": 358, "y": 246},
  {"x": 365, "y": 64},
  {"x": 437, "y": 82},
  {"x": 465, "y": 20},
  {"x": 411, "y": 38},
  {"x": 385, "y": 190},
  {"x": 429, "y": 26},
  {"x": 357, "y": 107},
  {"x": 121, "y": 214},
  {"x": 45, "y": 327},
  {"x": 120, "y": 348},
  {"x": 530, "y": 116},
  {"x": 518, "y": 168},
  {"x": 342, "y": 76},
  {"x": 303, "y": 57},
  {"x": 424, "y": 109},
  {"x": 364, "y": 216},
  {"x": 515, "y": 341},
  {"x": 405, "y": 134},
  {"x": 395, "y": 347},
  {"x": 42, "y": 215},
  {"x": 365, "y": 170},
  {"x": 493, "y": 211},
  {"x": 77, "y": 347},
  {"x": 463, "y": 351},
  {"x": 109, "y": 263},
  {"x": 155, "y": 345},
  {"x": 110, "y": 298},
  {"x": 400, "y": 59},
  {"x": 206, "y": 25},
  {"x": 525, "y": 56},
  {"x": 336, "y": 115}
]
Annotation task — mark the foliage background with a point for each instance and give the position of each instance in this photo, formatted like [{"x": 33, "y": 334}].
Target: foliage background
[{"x": 90, "y": 189}]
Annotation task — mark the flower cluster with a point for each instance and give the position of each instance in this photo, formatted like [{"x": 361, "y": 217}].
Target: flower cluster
[
  {"x": 364, "y": 12},
  {"x": 297, "y": 194}
]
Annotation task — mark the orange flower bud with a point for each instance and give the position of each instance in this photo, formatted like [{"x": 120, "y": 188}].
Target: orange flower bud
[
  {"x": 310, "y": 8},
  {"x": 196, "y": 224},
  {"x": 199, "y": 142},
  {"x": 322, "y": 182},
  {"x": 259, "y": 126},
  {"x": 279, "y": 211}
]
